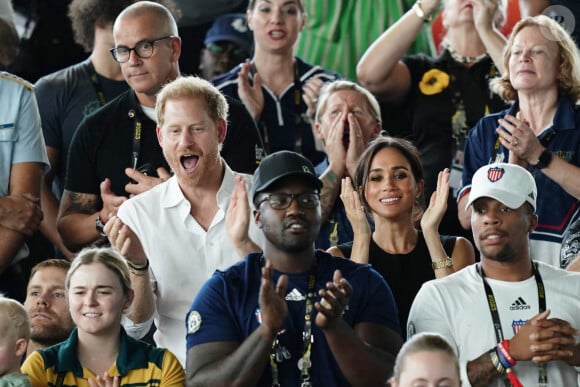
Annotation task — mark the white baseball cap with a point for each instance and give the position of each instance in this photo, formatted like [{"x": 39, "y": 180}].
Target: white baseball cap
[{"x": 510, "y": 184}]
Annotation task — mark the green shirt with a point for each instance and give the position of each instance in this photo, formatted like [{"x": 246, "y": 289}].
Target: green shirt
[
  {"x": 139, "y": 365},
  {"x": 338, "y": 32}
]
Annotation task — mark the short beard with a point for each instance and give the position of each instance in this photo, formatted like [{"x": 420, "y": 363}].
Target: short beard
[
  {"x": 506, "y": 254},
  {"x": 289, "y": 245},
  {"x": 49, "y": 336}
]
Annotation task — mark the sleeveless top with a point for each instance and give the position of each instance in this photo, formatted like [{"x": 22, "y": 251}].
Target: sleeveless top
[{"x": 405, "y": 273}]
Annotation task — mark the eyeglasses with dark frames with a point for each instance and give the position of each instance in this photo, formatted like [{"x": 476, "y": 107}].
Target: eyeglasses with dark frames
[
  {"x": 144, "y": 49},
  {"x": 281, "y": 201},
  {"x": 235, "y": 53}
]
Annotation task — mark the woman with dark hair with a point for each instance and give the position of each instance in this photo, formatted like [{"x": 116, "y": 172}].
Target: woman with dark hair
[
  {"x": 442, "y": 97},
  {"x": 389, "y": 185},
  {"x": 540, "y": 131}
]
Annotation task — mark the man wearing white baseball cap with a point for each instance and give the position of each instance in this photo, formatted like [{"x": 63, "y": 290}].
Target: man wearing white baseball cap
[
  {"x": 526, "y": 313},
  {"x": 510, "y": 184}
]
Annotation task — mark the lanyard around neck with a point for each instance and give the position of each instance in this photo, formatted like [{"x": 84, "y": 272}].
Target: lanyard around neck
[
  {"x": 492, "y": 304},
  {"x": 278, "y": 353},
  {"x": 97, "y": 84},
  {"x": 136, "y": 149},
  {"x": 298, "y": 116}
]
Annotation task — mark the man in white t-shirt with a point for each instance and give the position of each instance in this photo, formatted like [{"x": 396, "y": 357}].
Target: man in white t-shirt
[{"x": 508, "y": 316}]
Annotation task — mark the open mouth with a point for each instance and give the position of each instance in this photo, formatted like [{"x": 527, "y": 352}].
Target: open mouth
[
  {"x": 296, "y": 225},
  {"x": 277, "y": 34},
  {"x": 189, "y": 161}
]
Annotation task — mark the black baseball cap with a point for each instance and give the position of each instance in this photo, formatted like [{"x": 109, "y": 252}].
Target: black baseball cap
[{"x": 282, "y": 164}]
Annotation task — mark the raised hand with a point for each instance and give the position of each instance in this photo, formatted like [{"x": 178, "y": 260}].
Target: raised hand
[
  {"x": 437, "y": 204},
  {"x": 111, "y": 202},
  {"x": 238, "y": 219},
  {"x": 143, "y": 182},
  {"x": 356, "y": 144},
  {"x": 334, "y": 145},
  {"x": 333, "y": 301},
  {"x": 310, "y": 93},
  {"x": 105, "y": 381},
  {"x": 252, "y": 96},
  {"x": 483, "y": 13},
  {"x": 272, "y": 300},
  {"x": 355, "y": 211},
  {"x": 516, "y": 135},
  {"x": 124, "y": 240}
]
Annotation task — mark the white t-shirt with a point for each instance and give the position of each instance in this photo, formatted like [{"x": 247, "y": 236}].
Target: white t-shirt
[
  {"x": 182, "y": 255},
  {"x": 456, "y": 307}
]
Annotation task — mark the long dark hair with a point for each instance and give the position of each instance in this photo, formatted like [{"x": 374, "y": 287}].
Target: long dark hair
[{"x": 407, "y": 149}]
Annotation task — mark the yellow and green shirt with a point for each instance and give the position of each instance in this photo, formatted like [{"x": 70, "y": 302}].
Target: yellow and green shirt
[{"x": 138, "y": 364}]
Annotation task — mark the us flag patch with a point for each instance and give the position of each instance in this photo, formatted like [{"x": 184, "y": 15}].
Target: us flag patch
[
  {"x": 495, "y": 173},
  {"x": 517, "y": 324}
]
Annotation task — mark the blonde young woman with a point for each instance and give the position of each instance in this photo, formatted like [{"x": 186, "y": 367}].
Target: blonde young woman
[
  {"x": 426, "y": 359},
  {"x": 442, "y": 97},
  {"x": 389, "y": 185},
  {"x": 98, "y": 353}
]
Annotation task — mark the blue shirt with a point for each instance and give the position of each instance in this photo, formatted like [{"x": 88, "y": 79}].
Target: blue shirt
[
  {"x": 282, "y": 121},
  {"x": 227, "y": 309},
  {"x": 555, "y": 207},
  {"x": 20, "y": 131}
]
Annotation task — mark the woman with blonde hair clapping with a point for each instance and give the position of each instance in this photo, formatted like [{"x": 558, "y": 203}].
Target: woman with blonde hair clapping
[{"x": 99, "y": 352}]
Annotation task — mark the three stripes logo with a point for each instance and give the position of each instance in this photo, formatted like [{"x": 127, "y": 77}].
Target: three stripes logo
[
  {"x": 295, "y": 295},
  {"x": 519, "y": 304}
]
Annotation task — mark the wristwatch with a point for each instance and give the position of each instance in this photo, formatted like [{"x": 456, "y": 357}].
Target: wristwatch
[
  {"x": 100, "y": 226},
  {"x": 421, "y": 13},
  {"x": 544, "y": 160}
]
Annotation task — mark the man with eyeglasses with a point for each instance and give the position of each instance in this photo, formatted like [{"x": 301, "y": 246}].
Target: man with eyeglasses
[
  {"x": 68, "y": 95},
  {"x": 115, "y": 152},
  {"x": 228, "y": 43},
  {"x": 291, "y": 316}
]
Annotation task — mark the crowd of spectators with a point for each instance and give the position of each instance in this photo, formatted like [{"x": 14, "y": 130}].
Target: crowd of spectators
[{"x": 263, "y": 193}]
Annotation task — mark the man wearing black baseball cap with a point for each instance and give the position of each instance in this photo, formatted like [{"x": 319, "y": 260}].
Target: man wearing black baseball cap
[
  {"x": 281, "y": 165},
  {"x": 291, "y": 315}
]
